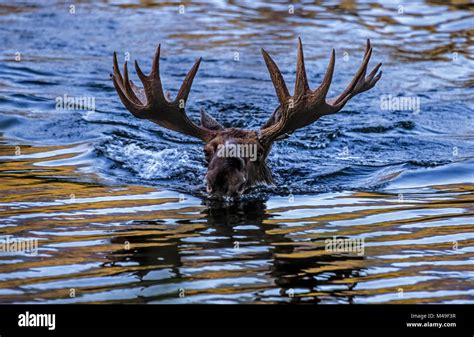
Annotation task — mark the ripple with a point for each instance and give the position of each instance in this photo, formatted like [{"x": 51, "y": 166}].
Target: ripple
[{"x": 117, "y": 204}]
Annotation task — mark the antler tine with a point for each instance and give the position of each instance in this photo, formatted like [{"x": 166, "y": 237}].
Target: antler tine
[
  {"x": 155, "y": 66},
  {"x": 131, "y": 106},
  {"x": 321, "y": 92},
  {"x": 118, "y": 82},
  {"x": 188, "y": 82},
  {"x": 277, "y": 78},
  {"x": 140, "y": 73},
  {"x": 301, "y": 82},
  {"x": 128, "y": 88},
  {"x": 117, "y": 69},
  {"x": 355, "y": 86},
  {"x": 356, "y": 81},
  {"x": 152, "y": 82},
  {"x": 371, "y": 78},
  {"x": 363, "y": 68}
]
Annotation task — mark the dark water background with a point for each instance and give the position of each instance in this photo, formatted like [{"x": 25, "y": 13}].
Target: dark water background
[{"x": 85, "y": 183}]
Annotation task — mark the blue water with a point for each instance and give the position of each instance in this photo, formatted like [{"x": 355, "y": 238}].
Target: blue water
[
  {"x": 428, "y": 57},
  {"x": 87, "y": 182}
]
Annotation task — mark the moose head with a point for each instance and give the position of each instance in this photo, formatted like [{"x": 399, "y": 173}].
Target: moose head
[{"x": 236, "y": 158}]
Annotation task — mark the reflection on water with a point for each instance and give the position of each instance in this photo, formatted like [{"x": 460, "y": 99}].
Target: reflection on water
[
  {"x": 117, "y": 204},
  {"x": 138, "y": 245}
]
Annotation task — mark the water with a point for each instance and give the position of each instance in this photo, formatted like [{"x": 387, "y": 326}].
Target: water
[{"x": 118, "y": 204}]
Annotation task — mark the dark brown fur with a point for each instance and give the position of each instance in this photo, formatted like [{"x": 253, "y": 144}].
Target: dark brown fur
[{"x": 232, "y": 176}]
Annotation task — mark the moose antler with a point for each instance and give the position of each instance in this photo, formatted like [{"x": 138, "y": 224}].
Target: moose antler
[
  {"x": 150, "y": 102},
  {"x": 306, "y": 106}
]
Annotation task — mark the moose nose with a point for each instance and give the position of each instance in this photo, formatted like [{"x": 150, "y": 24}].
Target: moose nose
[{"x": 217, "y": 192}]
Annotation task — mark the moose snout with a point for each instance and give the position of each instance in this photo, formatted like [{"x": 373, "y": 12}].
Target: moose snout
[
  {"x": 225, "y": 190},
  {"x": 223, "y": 193},
  {"x": 225, "y": 181}
]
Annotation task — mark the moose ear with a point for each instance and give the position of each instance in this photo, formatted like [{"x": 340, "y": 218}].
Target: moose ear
[{"x": 208, "y": 122}]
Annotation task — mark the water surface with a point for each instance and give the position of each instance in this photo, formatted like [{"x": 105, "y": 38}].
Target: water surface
[{"x": 118, "y": 205}]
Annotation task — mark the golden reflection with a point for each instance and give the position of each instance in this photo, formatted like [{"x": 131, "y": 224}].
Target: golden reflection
[{"x": 127, "y": 236}]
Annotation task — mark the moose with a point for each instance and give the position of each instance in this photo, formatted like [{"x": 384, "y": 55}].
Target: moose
[{"x": 230, "y": 176}]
